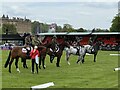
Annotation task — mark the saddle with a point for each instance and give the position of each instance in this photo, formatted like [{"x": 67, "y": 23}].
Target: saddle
[
  {"x": 78, "y": 49},
  {"x": 55, "y": 50}
]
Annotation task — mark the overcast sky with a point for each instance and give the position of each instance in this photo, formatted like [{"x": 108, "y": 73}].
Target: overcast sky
[{"x": 86, "y": 15}]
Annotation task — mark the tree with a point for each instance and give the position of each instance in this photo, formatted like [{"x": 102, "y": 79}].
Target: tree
[
  {"x": 34, "y": 26},
  {"x": 10, "y": 27},
  {"x": 81, "y": 30},
  {"x": 101, "y": 30},
  {"x": 115, "y": 27},
  {"x": 43, "y": 27},
  {"x": 58, "y": 29},
  {"x": 68, "y": 28}
]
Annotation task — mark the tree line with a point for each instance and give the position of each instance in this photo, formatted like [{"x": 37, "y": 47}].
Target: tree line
[{"x": 43, "y": 27}]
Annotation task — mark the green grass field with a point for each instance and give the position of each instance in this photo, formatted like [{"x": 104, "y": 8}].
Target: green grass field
[{"x": 88, "y": 75}]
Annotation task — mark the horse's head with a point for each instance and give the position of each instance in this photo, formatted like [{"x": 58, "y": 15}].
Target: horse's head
[
  {"x": 65, "y": 44},
  {"x": 97, "y": 44}
]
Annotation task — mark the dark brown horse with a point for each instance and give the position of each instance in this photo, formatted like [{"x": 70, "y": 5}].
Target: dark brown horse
[
  {"x": 58, "y": 53},
  {"x": 17, "y": 52}
]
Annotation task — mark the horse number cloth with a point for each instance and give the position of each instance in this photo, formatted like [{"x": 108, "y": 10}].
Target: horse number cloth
[{"x": 24, "y": 50}]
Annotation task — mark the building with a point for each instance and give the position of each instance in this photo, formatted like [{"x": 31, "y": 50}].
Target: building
[{"x": 22, "y": 25}]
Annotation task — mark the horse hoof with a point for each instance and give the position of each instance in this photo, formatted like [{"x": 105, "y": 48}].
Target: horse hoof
[
  {"x": 43, "y": 67},
  {"x": 33, "y": 72},
  {"x": 18, "y": 70},
  {"x": 39, "y": 67},
  {"x": 9, "y": 71},
  {"x": 82, "y": 62},
  {"x": 57, "y": 65},
  {"x": 51, "y": 61},
  {"x": 68, "y": 63},
  {"x": 23, "y": 66},
  {"x": 26, "y": 67}
]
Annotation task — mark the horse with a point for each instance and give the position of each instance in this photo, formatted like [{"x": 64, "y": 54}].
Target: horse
[
  {"x": 57, "y": 53},
  {"x": 16, "y": 53},
  {"x": 79, "y": 51},
  {"x": 42, "y": 50},
  {"x": 92, "y": 49}
]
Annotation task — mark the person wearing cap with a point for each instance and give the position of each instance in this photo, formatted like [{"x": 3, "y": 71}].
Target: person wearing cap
[
  {"x": 54, "y": 39},
  {"x": 90, "y": 42},
  {"x": 55, "y": 44},
  {"x": 34, "y": 54},
  {"x": 28, "y": 40},
  {"x": 28, "y": 45},
  {"x": 36, "y": 41}
]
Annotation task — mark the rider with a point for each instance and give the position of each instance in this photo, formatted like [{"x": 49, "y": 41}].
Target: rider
[
  {"x": 28, "y": 44},
  {"x": 55, "y": 44},
  {"x": 91, "y": 42},
  {"x": 28, "y": 40},
  {"x": 35, "y": 41},
  {"x": 78, "y": 44}
]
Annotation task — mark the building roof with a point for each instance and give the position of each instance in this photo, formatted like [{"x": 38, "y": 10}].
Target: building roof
[
  {"x": 81, "y": 33},
  {"x": 11, "y": 37}
]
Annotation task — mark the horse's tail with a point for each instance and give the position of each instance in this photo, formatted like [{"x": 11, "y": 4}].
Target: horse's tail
[{"x": 8, "y": 59}]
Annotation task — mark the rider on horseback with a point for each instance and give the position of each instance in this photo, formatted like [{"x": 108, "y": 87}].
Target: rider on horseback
[
  {"x": 55, "y": 44},
  {"x": 28, "y": 40},
  {"x": 91, "y": 42},
  {"x": 31, "y": 41},
  {"x": 78, "y": 44},
  {"x": 27, "y": 45},
  {"x": 36, "y": 41}
]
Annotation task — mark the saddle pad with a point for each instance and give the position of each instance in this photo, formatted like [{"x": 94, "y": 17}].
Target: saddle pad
[
  {"x": 24, "y": 50},
  {"x": 57, "y": 49}
]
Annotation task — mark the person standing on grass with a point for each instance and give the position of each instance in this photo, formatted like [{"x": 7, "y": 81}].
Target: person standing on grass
[{"x": 34, "y": 54}]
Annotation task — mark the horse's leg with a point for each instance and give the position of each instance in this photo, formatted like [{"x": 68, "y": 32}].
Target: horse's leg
[
  {"x": 40, "y": 59},
  {"x": 24, "y": 63},
  {"x": 51, "y": 58},
  {"x": 67, "y": 57},
  {"x": 16, "y": 64},
  {"x": 95, "y": 57},
  {"x": 58, "y": 61},
  {"x": 83, "y": 58},
  {"x": 43, "y": 62},
  {"x": 78, "y": 59},
  {"x": 11, "y": 61}
]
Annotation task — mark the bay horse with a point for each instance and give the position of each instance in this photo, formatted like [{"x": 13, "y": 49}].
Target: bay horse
[
  {"x": 58, "y": 53},
  {"x": 16, "y": 53}
]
